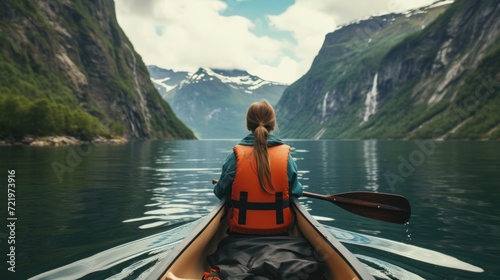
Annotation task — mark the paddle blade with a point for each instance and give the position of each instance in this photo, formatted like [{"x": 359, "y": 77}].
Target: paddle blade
[{"x": 379, "y": 206}]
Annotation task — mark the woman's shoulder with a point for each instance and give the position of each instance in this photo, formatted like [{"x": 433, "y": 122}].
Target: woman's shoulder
[{"x": 247, "y": 140}]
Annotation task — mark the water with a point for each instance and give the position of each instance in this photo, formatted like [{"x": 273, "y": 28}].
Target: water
[{"x": 111, "y": 211}]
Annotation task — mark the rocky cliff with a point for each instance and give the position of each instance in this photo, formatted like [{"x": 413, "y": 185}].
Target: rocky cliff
[
  {"x": 428, "y": 73},
  {"x": 73, "y": 58}
]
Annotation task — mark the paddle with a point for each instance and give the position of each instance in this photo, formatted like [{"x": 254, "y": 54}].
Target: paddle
[{"x": 379, "y": 206}]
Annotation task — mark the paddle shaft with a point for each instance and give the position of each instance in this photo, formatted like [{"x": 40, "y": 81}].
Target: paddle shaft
[{"x": 338, "y": 199}]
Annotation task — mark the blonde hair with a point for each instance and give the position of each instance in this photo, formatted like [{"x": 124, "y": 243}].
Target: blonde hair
[{"x": 261, "y": 120}]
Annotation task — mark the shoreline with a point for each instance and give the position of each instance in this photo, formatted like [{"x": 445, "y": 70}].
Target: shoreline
[{"x": 56, "y": 141}]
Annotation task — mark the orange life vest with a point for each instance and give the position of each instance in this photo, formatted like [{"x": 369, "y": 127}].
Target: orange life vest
[{"x": 252, "y": 210}]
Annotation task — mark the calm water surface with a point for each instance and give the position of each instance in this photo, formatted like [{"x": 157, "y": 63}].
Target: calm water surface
[{"x": 111, "y": 211}]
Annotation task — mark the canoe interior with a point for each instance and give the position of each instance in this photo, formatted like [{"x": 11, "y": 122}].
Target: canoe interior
[{"x": 188, "y": 260}]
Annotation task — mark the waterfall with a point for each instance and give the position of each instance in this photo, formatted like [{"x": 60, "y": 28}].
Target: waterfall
[
  {"x": 142, "y": 101},
  {"x": 323, "y": 108},
  {"x": 371, "y": 100}
]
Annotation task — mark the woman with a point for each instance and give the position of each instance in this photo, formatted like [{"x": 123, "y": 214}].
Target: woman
[
  {"x": 258, "y": 178},
  {"x": 260, "y": 170}
]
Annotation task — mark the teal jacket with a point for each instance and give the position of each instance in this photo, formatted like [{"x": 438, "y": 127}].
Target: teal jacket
[{"x": 223, "y": 187}]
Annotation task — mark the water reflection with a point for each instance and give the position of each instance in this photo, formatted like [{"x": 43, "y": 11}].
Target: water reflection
[
  {"x": 181, "y": 188},
  {"x": 371, "y": 166}
]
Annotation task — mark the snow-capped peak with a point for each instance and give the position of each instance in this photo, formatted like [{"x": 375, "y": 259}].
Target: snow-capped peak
[{"x": 238, "y": 79}]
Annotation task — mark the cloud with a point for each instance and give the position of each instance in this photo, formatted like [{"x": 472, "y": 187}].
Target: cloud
[
  {"x": 309, "y": 25},
  {"x": 310, "y": 20},
  {"x": 187, "y": 34},
  {"x": 348, "y": 11}
]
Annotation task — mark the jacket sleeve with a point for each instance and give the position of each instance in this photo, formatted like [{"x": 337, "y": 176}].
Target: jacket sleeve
[
  {"x": 293, "y": 181},
  {"x": 223, "y": 187}
]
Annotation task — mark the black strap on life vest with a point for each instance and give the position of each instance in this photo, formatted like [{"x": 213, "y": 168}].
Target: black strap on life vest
[{"x": 243, "y": 205}]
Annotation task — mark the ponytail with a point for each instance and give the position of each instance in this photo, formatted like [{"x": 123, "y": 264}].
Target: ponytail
[{"x": 261, "y": 120}]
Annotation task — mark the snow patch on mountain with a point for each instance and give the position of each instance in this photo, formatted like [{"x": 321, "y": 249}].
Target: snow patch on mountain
[
  {"x": 407, "y": 14},
  {"x": 162, "y": 83}
]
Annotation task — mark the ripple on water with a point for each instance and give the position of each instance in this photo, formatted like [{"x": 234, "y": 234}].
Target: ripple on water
[
  {"x": 402, "y": 249},
  {"x": 384, "y": 270},
  {"x": 145, "y": 251}
]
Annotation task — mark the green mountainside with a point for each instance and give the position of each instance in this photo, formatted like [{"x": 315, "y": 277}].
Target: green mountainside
[
  {"x": 429, "y": 73},
  {"x": 67, "y": 68}
]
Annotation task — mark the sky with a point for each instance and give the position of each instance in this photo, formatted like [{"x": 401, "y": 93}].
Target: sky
[{"x": 276, "y": 40}]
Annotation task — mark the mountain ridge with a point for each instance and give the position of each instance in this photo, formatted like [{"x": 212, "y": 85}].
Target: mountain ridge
[{"x": 213, "y": 102}]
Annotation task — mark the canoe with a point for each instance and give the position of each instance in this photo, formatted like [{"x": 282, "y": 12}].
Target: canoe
[{"x": 188, "y": 259}]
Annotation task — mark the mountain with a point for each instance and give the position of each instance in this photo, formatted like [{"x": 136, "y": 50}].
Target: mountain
[
  {"x": 67, "y": 68},
  {"x": 432, "y": 72},
  {"x": 213, "y": 102}
]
